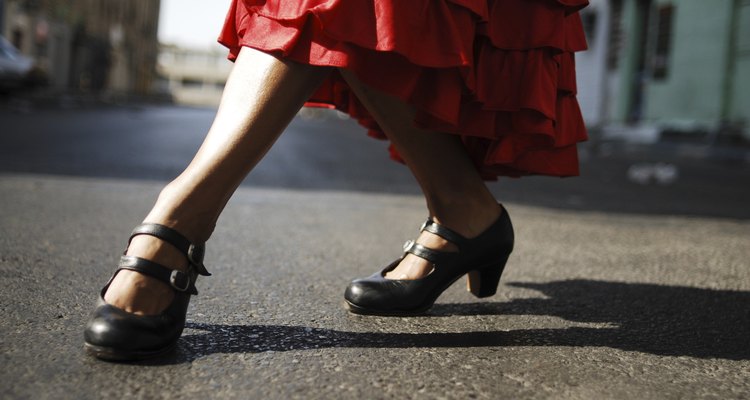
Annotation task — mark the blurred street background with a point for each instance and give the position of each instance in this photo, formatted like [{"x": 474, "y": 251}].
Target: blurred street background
[
  {"x": 640, "y": 287},
  {"x": 665, "y": 93}
]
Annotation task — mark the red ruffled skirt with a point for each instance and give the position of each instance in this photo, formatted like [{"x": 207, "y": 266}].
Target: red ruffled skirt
[{"x": 500, "y": 73}]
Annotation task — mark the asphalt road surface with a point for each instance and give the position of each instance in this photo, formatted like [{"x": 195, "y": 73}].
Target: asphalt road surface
[
  {"x": 618, "y": 288},
  {"x": 326, "y": 153}
]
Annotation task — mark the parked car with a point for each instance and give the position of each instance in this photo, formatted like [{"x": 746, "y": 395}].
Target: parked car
[{"x": 16, "y": 70}]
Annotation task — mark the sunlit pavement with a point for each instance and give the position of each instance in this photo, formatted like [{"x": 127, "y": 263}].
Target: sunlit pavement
[{"x": 619, "y": 287}]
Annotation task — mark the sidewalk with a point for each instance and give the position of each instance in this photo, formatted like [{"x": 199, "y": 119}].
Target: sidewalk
[
  {"x": 592, "y": 305},
  {"x": 31, "y": 100},
  {"x": 651, "y": 140}
]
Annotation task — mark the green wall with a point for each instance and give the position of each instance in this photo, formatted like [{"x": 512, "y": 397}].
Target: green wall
[
  {"x": 693, "y": 91},
  {"x": 739, "y": 106},
  {"x": 632, "y": 21}
]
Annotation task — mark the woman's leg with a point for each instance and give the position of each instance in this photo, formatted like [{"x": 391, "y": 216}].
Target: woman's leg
[
  {"x": 456, "y": 195},
  {"x": 261, "y": 97}
]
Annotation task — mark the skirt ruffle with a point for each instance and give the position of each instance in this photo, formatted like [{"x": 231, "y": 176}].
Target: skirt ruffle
[{"x": 500, "y": 73}]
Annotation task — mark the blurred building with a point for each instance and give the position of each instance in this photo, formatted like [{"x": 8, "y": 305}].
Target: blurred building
[
  {"x": 193, "y": 76},
  {"x": 89, "y": 45},
  {"x": 666, "y": 66}
]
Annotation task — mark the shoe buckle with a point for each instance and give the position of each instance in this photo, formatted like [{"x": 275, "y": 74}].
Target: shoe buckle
[
  {"x": 408, "y": 245},
  {"x": 179, "y": 280},
  {"x": 195, "y": 254}
]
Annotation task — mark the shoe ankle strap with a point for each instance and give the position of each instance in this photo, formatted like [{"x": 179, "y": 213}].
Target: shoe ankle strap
[
  {"x": 433, "y": 256},
  {"x": 445, "y": 233},
  {"x": 194, "y": 252},
  {"x": 178, "y": 280}
]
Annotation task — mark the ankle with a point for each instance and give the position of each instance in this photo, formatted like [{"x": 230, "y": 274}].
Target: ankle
[
  {"x": 468, "y": 217},
  {"x": 184, "y": 211}
]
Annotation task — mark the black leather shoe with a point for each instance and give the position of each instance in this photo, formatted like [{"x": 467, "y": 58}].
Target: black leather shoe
[
  {"x": 114, "y": 334},
  {"x": 482, "y": 257}
]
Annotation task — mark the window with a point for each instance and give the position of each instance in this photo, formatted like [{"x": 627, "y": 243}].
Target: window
[
  {"x": 663, "y": 42},
  {"x": 616, "y": 36}
]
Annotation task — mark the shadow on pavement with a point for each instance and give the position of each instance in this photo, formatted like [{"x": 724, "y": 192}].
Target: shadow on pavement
[{"x": 647, "y": 318}]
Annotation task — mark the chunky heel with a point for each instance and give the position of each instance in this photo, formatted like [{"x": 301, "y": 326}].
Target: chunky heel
[{"x": 483, "y": 283}]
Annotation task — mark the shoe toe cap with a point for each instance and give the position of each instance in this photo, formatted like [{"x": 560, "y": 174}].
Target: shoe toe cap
[
  {"x": 374, "y": 294},
  {"x": 355, "y": 292},
  {"x": 361, "y": 293},
  {"x": 105, "y": 330},
  {"x": 112, "y": 327}
]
